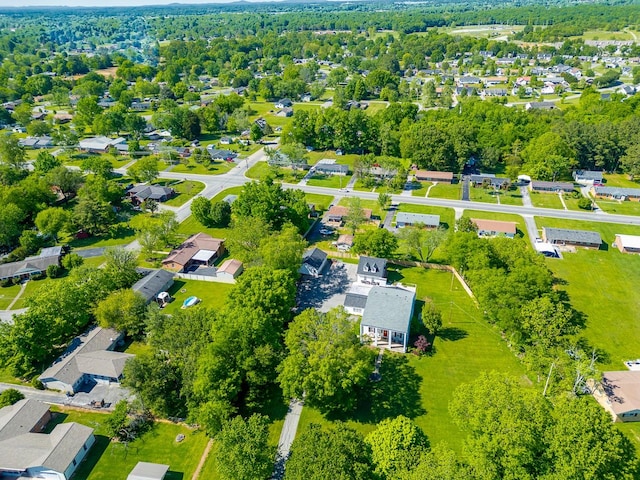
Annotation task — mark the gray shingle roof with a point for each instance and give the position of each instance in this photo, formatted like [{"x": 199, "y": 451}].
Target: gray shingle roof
[
  {"x": 390, "y": 308},
  {"x": 31, "y": 265},
  {"x": 618, "y": 191},
  {"x": 154, "y": 192},
  {"x": 20, "y": 417},
  {"x": 587, "y": 175},
  {"x": 372, "y": 267},
  {"x": 152, "y": 284},
  {"x": 355, "y": 300},
  {"x": 148, "y": 471},
  {"x": 314, "y": 257},
  {"x": 413, "y": 218},
  {"x": 571, "y": 236}
]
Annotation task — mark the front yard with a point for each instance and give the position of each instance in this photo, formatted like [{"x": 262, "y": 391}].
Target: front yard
[{"x": 185, "y": 189}]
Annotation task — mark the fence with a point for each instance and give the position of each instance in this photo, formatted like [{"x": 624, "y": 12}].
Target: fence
[{"x": 206, "y": 278}]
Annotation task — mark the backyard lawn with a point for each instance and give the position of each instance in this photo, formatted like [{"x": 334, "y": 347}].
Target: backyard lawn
[
  {"x": 329, "y": 181},
  {"x": 546, "y": 200},
  {"x": 321, "y": 202},
  {"x": 113, "y": 461},
  {"x": 215, "y": 168},
  {"x": 421, "y": 388},
  {"x": 191, "y": 225},
  {"x": 120, "y": 234},
  {"x": 211, "y": 294},
  {"x": 185, "y": 189},
  {"x": 603, "y": 284},
  {"x": 620, "y": 180}
]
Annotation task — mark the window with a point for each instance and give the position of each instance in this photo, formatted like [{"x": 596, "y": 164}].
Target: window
[{"x": 74, "y": 462}]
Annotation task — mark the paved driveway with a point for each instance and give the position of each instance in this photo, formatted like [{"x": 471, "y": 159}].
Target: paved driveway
[{"x": 327, "y": 291}]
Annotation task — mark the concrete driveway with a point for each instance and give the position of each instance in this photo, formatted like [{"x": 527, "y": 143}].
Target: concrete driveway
[{"x": 328, "y": 290}]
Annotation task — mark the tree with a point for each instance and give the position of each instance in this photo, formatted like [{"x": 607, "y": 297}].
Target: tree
[
  {"x": 72, "y": 260},
  {"x": 546, "y": 321},
  {"x": 377, "y": 243},
  {"x": 256, "y": 132},
  {"x": 11, "y": 217},
  {"x": 465, "y": 224},
  {"x": 355, "y": 215},
  {"x": 98, "y": 165},
  {"x": 431, "y": 318},
  {"x": 439, "y": 463},
  {"x": 145, "y": 169},
  {"x": 325, "y": 361},
  {"x": 68, "y": 181},
  {"x": 86, "y": 111},
  {"x": 45, "y": 162},
  {"x": 9, "y": 397},
  {"x": 396, "y": 446},
  {"x": 243, "y": 450},
  {"x": 123, "y": 310},
  {"x": 585, "y": 203},
  {"x": 421, "y": 242},
  {"x": 630, "y": 162},
  {"x": 11, "y": 153},
  {"x": 150, "y": 205},
  {"x": 384, "y": 200},
  {"x": 92, "y": 215},
  {"x": 245, "y": 237},
  {"x": 201, "y": 211},
  {"x": 52, "y": 220},
  {"x": 282, "y": 250},
  {"x": 120, "y": 268},
  {"x": 220, "y": 214},
  {"x": 117, "y": 420},
  {"x": 320, "y": 453}
]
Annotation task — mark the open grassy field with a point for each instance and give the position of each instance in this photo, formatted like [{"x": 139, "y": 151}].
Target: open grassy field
[
  {"x": 419, "y": 189},
  {"x": 216, "y": 168},
  {"x": 620, "y": 180},
  {"x": 185, "y": 189},
  {"x": 510, "y": 197},
  {"x": 446, "y": 190},
  {"x": 602, "y": 284},
  {"x": 212, "y": 294},
  {"x": 421, "y": 388},
  {"x": 321, "y": 202},
  {"x": 113, "y": 461},
  {"x": 620, "y": 208},
  {"x": 329, "y": 181},
  {"x": 120, "y": 234},
  {"x": 503, "y": 217}
]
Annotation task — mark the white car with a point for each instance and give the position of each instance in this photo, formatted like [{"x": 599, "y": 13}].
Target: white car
[{"x": 326, "y": 231}]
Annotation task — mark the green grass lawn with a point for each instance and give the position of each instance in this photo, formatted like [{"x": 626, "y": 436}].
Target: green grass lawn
[
  {"x": 94, "y": 261},
  {"x": 31, "y": 287},
  {"x": 620, "y": 208},
  {"x": 259, "y": 171},
  {"x": 603, "y": 285},
  {"x": 546, "y": 200},
  {"x": 215, "y": 168},
  {"x": 521, "y": 228},
  {"x": 329, "y": 181},
  {"x": 7, "y": 294},
  {"x": 114, "y": 461},
  {"x": 510, "y": 197},
  {"x": 120, "y": 234},
  {"x": 446, "y": 190},
  {"x": 212, "y": 294},
  {"x": 321, "y": 202},
  {"x": 185, "y": 189},
  {"x": 317, "y": 155},
  {"x": 191, "y": 225},
  {"x": 620, "y": 180},
  {"x": 373, "y": 205},
  {"x": 421, "y": 388},
  {"x": 420, "y": 189}
]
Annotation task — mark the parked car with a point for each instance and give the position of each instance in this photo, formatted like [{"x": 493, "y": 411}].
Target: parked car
[{"x": 326, "y": 231}]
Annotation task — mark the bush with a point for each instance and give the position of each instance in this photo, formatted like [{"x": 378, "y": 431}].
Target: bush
[
  {"x": 40, "y": 276},
  {"x": 7, "y": 282},
  {"x": 584, "y": 203},
  {"x": 54, "y": 271},
  {"x": 37, "y": 384},
  {"x": 72, "y": 261},
  {"x": 9, "y": 397}
]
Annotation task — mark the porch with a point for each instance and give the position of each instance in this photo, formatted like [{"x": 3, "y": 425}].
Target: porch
[{"x": 384, "y": 338}]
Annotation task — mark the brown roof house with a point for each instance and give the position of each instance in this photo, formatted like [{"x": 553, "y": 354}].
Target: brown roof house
[
  {"x": 196, "y": 251},
  {"x": 336, "y": 215},
  {"x": 26, "y": 452},
  {"x": 431, "y": 176},
  {"x": 230, "y": 269},
  {"x": 619, "y": 394},
  {"x": 495, "y": 228}
]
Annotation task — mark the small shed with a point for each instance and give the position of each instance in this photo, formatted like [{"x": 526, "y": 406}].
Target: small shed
[{"x": 148, "y": 471}]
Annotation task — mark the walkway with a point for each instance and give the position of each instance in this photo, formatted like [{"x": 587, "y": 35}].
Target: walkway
[
  {"x": 388, "y": 219},
  {"x": 426, "y": 195},
  {"x": 17, "y": 297},
  {"x": 465, "y": 189},
  {"x": 287, "y": 435},
  {"x": 564, "y": 205},
  {"x": 203, "y": 459}
]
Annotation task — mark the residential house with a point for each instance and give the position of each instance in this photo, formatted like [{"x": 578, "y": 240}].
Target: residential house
[
  {"x": 62, "y": 117},
  {"x": 336, "y": 214},
  {"x": 140, "y": 193},
  {"x": 279, "y": 159},
  {"x": 148, "y": 471},
  {"x": 221, "y": 155},
  {"x": 36, "y": 142},
  {"x": 495, "y": 228},
  {"x": 554, "y": 187},
  {"x": 619, "y": 394},
  {"x": 432, "y": 176},
  {"x": 355, "y": 299},
  {"x": 230, "y": 269},
  {"x": 344, "y": 242},
  {"x": 89, "y": 358},
  {"x": 27, "y": 452},
  {"x": 616, "y": 193},
  {"x": 372, "y": 271},
  {"x": 588, "y": 176},
  {"x": 313, "y": 262},
  {"x": 483, "y": 179},
  {"x": 492, "y": 81},
  {"x": 285, "y": 112},
  {"x": 285, "y": 102},
  {"x": 99, "y": 144},
  {"x": 30, "y": 266},
  {"x": 331, "y": 168},
  {"x": 496, "y": 92},
  {"x": 226, "y": 141},
  {"x": 386, "y": 319},
  {"x": 406, "y": 219},
  {"x": 468, "y": 80},
  {"x": 540, "y": 106},
  {"x": 627, "y": 243},
  {"x": 153, "y": 283},
  {"x": 578, "y": 238},
  {"x": 199, "y": 250}
]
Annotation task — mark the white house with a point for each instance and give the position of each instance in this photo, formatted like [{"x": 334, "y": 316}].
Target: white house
[
  {"x": 313, "y": 262},
  {"x": 407, "y": 219},
  {"x": 386, "y": 320},
  {"x": 372, "y": 271}
]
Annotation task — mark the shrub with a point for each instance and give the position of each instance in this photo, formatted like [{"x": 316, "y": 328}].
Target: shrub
[
  {"x": 37, "y": 384},
  {"x": 584, "y": 203},
  {"x": 421, "y": 345},
  {"x": 54, "y": 271},
  {"x": 72, "y": 260},
  {"x": 7, "y": 282},
  {"x": 40, "y": 276},
  {"x": 9, "y": 397}
]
